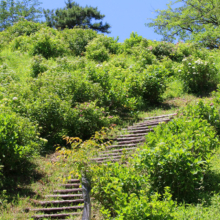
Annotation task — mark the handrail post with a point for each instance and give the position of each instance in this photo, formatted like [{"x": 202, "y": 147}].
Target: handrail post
[{"x": 86, "y": 188}]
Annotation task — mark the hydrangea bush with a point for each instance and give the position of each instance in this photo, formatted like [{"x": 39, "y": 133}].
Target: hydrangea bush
[{"x": 198, "y": 75}]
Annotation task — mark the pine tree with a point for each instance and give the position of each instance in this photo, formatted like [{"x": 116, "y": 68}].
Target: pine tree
[{"x": 73, "y": 15}]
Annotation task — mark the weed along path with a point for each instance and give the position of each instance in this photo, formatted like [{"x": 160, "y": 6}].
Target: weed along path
[{"x": 71, "y": 200}]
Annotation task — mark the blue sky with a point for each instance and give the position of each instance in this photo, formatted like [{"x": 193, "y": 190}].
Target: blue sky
[{"x": 123, "y": 16}]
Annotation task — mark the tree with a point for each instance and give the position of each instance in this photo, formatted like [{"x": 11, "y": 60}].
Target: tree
[
  {"x": 12, "y": 11},
  {"x": 73, "y": 15},
  {"x": 193, "y": 19}
]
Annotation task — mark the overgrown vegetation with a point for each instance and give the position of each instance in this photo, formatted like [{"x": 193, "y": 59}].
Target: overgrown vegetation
[{"x": 74, "y": 82}]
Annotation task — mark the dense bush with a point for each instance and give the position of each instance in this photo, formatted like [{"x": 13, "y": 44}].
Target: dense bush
[
  {"x": 20, "y": 28},
  {"x": 199, "y": 76},
  {"x": 19, "y": 139},
  {"x": 178, "y": 155},
  {"x": 6, "y": 75},
  {"x": 56, "y": 108},
  {"x": 48, "y": 43},
  {"x": 113, "y": 185},
  {"x": 65, "y": 64},
  {"x": 100, "y": 48},
  {"x": 170, "y": 50},
  {"x": 142, "y": 58},
  {"x": 152, "y": 83},
  {"x": 123, "y": 192},
  {"x": 148, "y": 207},
  {"x": 86, "y": 118},
  {"x": 133, "y": 42},
  {"x": 207, "y": 111},
  {"x": 78, "y": 39},
  {"x": 38, "y": 65}
]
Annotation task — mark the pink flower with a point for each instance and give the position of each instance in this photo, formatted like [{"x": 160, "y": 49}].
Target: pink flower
[
  {"x": 211, "y": 104},
  {"x": 110, "y": 116},
  {"x": 81, "y": 115}
]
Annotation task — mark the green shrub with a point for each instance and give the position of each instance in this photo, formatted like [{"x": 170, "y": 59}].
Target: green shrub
[
  {"x": 123, "y": 192},
  {"x": 142, "y": 58},
  {"x": 135, "y": 41},
  {"x": 174, "y": 89},
  {"x": 38, "y": 65},
  {"x": 24, "y": 27},
  {"x": 21, "y": 43},
  {"x": 150, "y": 85},
  {"x": 18, "y": 139},
  {"x": 206, "y": 111},
  {"x": 199, "y": 76},
  {"x": 6, "y": 75},
  {"x": 178, "y": 155},
  {"x": 78, "y": 39},
  {"x": 149, "y": 207},
  {"x": 118, "y": 61},
  {"x": 65, "y": 64},
  {"x": 85, "y": 119},
  {"x": 50, "y": 100},
  {"x": 114, "y": 95},
  {"x": 21, "y": 28},
  {"x": 186, "y": 49},
  {"x": 48, "y": 43},
  {"x": 100, "y": 48},
  {"x": 113, "y": 185}
]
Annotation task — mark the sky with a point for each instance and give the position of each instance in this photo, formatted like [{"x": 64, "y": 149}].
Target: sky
[{"x": 123, "y": 16}]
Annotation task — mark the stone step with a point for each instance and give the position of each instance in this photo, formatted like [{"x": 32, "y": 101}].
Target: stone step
[
  {"x": 160, "y": 116},
  {"x": 55, "y": 216},
  {"x": 110, "y": 154},
  {"x": 68, "y": 190},
  {"x": 133, "y": 135},
  {"x": 58, "y": 202},
  {"x": 120, "y": 150},
  {"x": 121, "y": 145},
  {"x": 68, "y": 196},
  {"x": 71, "y": 185},
  {"x": 132, "y": 141},
  {"x": 73, "y": 181},
  {"x": 146, "y": 129},
  {"x": 109, "y": 160},
  {"x": 142, "y": 131},
  {"x": 129, "y": 138},
  {"x": 104, "y": 158},
  {"x": 152, "y": 124},
  {"x": 57, "y": 209}
]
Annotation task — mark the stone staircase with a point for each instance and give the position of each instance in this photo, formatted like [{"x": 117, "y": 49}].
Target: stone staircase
[{"x": 68, "y": 202}]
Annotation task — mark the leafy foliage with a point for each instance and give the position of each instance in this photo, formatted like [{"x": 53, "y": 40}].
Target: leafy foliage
[
  {"x": 178, "y": 155},
  {"x": 99, "y": 48},
  {"x": 12, "y": 11},
  {"x": 19, "y": 139},
  {"x": 205, "y": 111},
  {"x": 78, "y": 39},
  {"x": 123, "y": 193},
  {"x": 199, "y": 18},
  {"x": 198, "y": 75}
]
